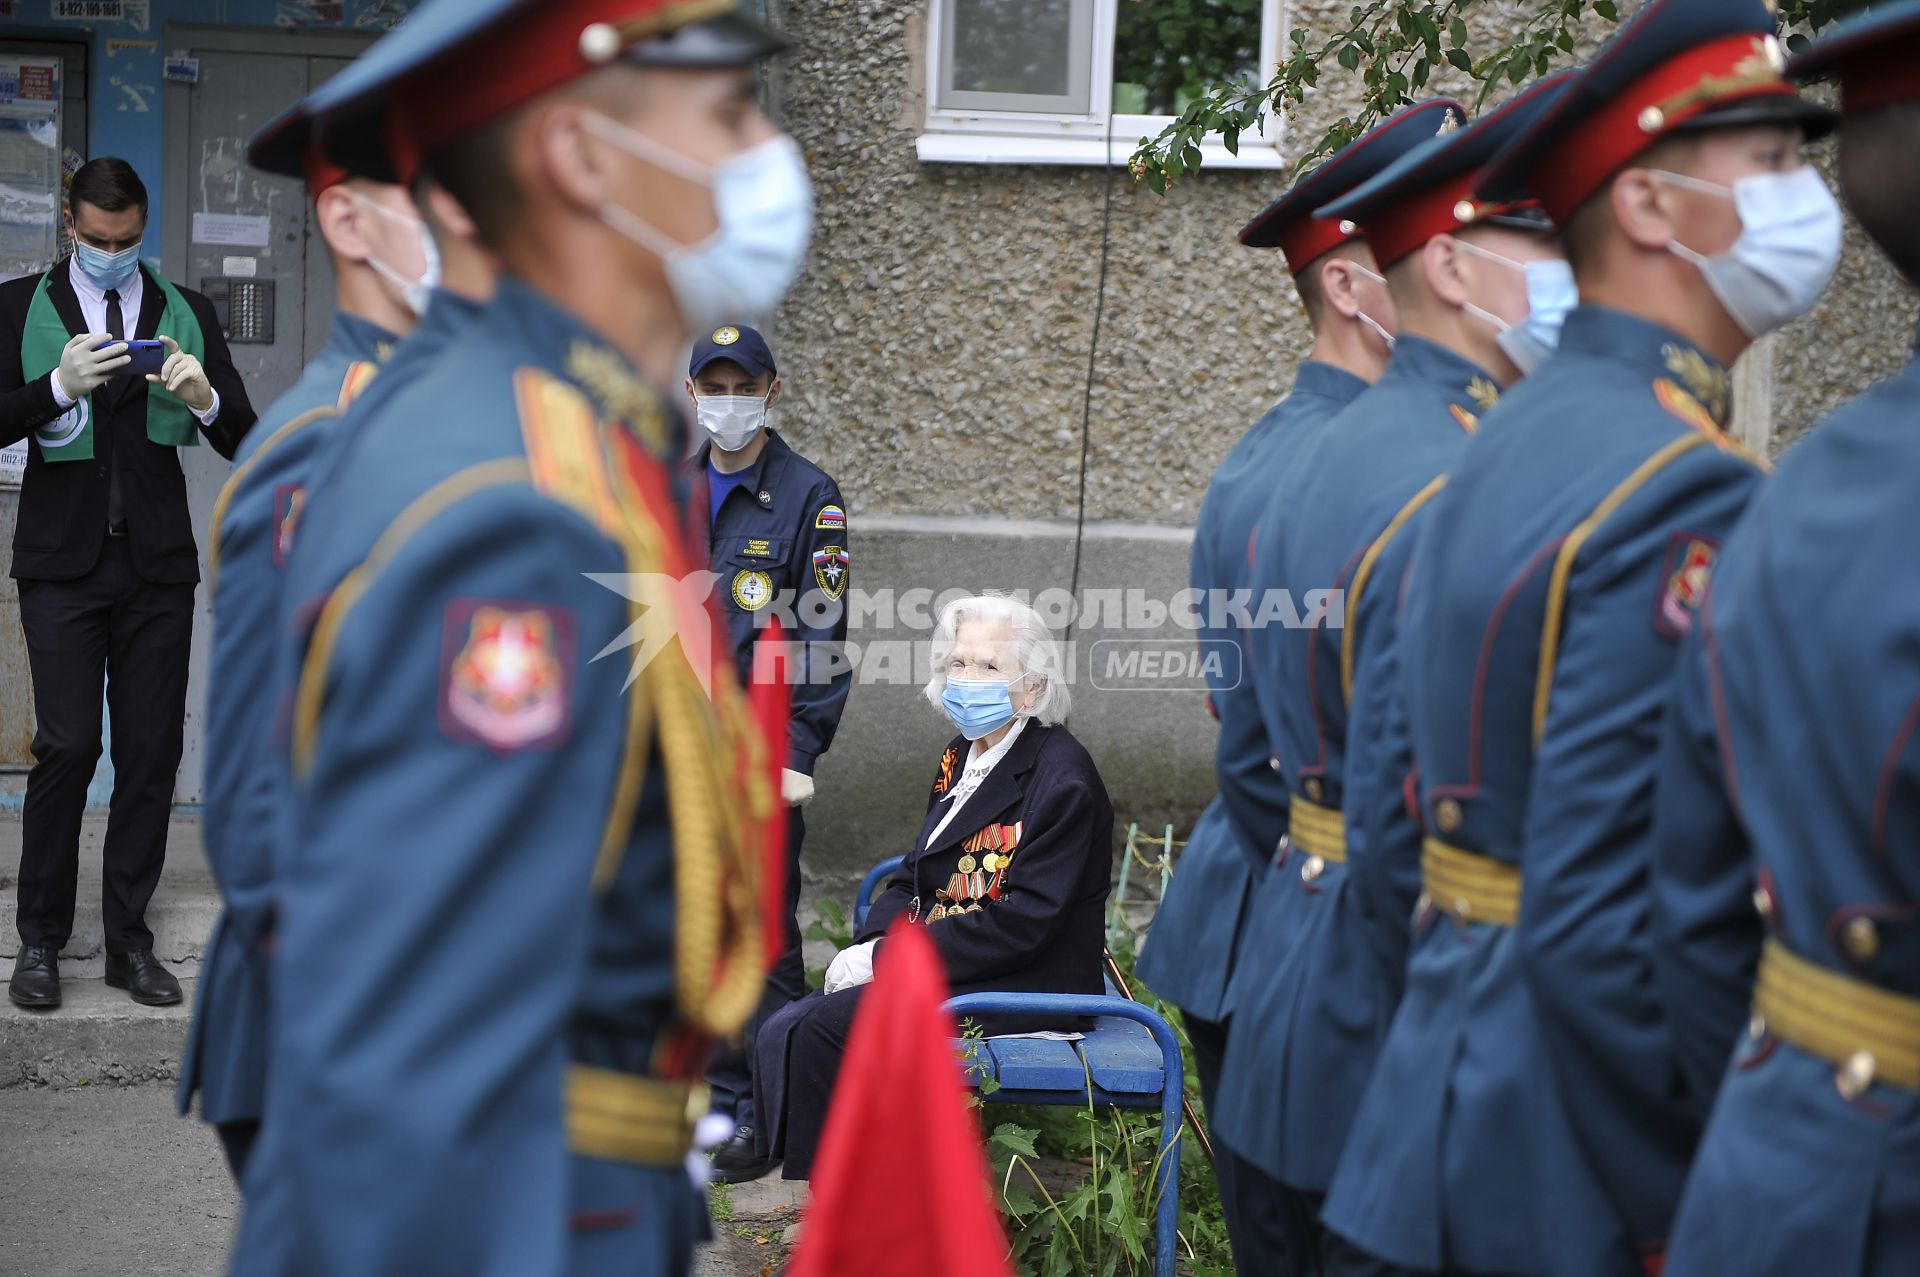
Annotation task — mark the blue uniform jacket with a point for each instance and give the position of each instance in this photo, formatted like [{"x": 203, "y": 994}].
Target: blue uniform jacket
[
  {"x": 1523, "y": 1116},
  {"x": 782, "y": 536},
  {"x": 488, "y": 918},
  {"x": 1189, "y": 956},
  {"x": 1296, "y": 1063},
  {"x": 1792, "y": 762},
  {"x": 253, "y": 523}
]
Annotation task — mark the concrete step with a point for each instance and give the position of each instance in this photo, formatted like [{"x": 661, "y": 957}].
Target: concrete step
[
  {"x": 181, "y": 914},
  {"x": 96, "y": 1036}
]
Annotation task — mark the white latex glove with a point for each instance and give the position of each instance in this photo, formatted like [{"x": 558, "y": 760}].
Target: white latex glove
[
  {"x": 84, "y": 369},
  {"x": 850, "y": 967},
  {"x": 796, "y": 788},
  {"x": 183, "y": 375}
]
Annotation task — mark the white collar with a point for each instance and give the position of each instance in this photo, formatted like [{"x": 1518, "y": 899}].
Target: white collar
[{"x": 980, "y": 762}]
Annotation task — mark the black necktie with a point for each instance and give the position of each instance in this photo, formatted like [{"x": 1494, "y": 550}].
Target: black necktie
[{"x": 116, "y": 328}]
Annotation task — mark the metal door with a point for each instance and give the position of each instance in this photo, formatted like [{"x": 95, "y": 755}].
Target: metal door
[
  {"x": 231, "y": 229},
  {"x": 16, "y": 689}
]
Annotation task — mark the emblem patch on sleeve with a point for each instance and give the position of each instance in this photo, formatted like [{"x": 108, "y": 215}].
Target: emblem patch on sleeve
[
  {"x": 289, "y": 499},
  {"x": 506, "y": 671},
  {"x": 831, "y": 519},
  {"x": 1683, "y": 582},
  {"x": 831, "y": 567},
  {"x": 752, "y": 589}
]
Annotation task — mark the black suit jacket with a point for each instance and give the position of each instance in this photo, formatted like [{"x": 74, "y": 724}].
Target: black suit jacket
[
  {"x": 63, "y": 506},
  {"x": 1044, "y": 934}
]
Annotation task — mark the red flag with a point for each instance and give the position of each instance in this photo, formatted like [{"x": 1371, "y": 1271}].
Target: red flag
[
  {"x": 900, "y": 1186},
  {"x": 771, "y": 700}
]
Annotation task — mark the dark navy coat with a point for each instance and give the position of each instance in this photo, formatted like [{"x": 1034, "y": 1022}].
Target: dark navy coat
[
  {"x": 1300, "y": 1055},
  {"x": 1189, "y": 957},
  {"x": 482, "y": 897},
  {"x": 1523, "y": 1116},
  {"x": 1792, "y": 767},
  {"x": 782, "y": 535},
  {"x": 253, "y": 524}
]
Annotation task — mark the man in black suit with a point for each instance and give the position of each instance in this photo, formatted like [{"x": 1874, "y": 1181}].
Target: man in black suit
[{"x": 106, "y": 562}]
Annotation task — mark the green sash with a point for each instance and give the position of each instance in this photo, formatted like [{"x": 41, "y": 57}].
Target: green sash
[{"x": 70, "y": 437}]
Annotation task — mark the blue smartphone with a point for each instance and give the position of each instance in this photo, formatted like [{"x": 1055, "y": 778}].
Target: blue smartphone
[{"x": 148, "y": 357}]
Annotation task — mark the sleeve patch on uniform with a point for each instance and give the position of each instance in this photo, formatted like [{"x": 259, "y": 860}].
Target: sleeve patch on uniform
[
  {"x": 1683, "y": 582},
  {"x": 506, "y": 673},
  {"x": 831, "y": 519},
  {"x": 289, "y": 499},
  {"x": 831, "y": 568}
]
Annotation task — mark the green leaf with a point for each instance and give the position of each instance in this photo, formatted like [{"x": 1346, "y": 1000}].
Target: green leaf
[
  {"x": 1607, "y": 9},
  {"x": 1350, "y": 56},
  {"x": 1458, "y": 30},
  {"x": 1460, "y": 60},
  {"x": 1156, "y": 181},
  {"x": 1016, "y": 1139}
]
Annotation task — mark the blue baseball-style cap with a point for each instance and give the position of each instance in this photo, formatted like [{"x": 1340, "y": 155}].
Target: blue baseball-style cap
[
  {"x": 456, "y": 64},
  {"x": 1289, "y": 223},
  {"x": 1678, "y": 66},
  {"x": 1425, "y": 192},
  {"x": 736, "y": 343},
  {"x": 1875, "y": 56}
]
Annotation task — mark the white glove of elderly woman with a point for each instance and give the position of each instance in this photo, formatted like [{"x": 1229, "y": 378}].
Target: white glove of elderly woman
[{"x": 850, "y": 967}]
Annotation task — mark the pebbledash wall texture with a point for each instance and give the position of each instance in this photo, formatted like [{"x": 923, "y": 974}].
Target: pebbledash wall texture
[{"x": 937, "y": 353}]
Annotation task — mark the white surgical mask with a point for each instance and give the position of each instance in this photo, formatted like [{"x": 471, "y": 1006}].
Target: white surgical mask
[
  {"x": 1379, "y": 328},
  {"x": 763, "y": 202},
  {"x": 415, "y": 293},
  {"x": 1788, "y": 248},
  {"x": 731, "y": 421},
  {"x": 1551, "y": 297}
]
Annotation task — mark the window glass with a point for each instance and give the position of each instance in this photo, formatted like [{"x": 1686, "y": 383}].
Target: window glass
[
  {"x": 1012, "y": 46},
  {"x": 1167, "y": 52}
]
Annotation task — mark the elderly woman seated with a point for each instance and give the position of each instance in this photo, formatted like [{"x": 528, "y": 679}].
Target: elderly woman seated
[{"x": 1009, "y": 874}]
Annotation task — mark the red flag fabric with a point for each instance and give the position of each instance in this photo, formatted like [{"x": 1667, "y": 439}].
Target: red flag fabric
[
  {"x": 771, "y": 699},
  {"x": 900, "y": 1186}
]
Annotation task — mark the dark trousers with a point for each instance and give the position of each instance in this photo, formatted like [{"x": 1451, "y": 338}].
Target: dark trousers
[
  {"x": 110, "y": 627},
  {"x": 796, "y": 1070},
  {"x": 1265, "y": 1224},
  {"x": 731, "y": 1074}
]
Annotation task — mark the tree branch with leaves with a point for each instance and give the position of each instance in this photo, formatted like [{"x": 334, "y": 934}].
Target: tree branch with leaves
[{"x": 1396, "y": 47}]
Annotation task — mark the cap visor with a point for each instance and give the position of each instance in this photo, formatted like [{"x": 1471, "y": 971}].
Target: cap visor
[
  {"x": 1814, "y": 120},
  {"x": 728, "y": 41}
]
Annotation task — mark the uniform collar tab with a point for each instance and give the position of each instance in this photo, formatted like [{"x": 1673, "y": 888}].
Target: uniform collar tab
[{"x": 1661, "y": 352}]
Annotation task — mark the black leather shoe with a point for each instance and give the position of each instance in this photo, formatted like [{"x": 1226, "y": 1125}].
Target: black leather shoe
[
  {"x": 36, "y": 979},
  {"x": 142, "y": 976},
  {"x": 737, "y": 1161}
]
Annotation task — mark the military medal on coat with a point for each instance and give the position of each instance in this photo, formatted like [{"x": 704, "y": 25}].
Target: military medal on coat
[{"x": 981, "y": 873}]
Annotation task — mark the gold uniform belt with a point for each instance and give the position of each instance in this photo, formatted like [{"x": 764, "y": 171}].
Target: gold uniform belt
[
  {"x": 1318, "y": 831},
  {"x": 626, "y": 1118},
  {"x": 1866, "y": 1030},
  {"x": 1470, "y": 886}
]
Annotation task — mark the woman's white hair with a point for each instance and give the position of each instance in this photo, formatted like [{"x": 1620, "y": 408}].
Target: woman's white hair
[{"x": 1042, "y": 661}]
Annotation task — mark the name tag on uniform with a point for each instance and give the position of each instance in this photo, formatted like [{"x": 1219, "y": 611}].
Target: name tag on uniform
[{"x": 762, "y": 548}]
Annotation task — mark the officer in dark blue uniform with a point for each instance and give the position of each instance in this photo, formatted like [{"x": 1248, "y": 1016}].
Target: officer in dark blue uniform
[
  {"x": 1791, "y": 769},
  {"x": 375, "y": 246},
  {"x": 1192, "y": 957},
  {"x": 776, "y": 540},
  {"x": 1522, "y": 1117},
  {"x": 1459, "y": 273},
  {"x": 501, "y": 955}
]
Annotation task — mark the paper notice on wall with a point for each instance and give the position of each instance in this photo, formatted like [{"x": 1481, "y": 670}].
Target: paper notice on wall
[
  {"x": 132, "y": 12},
  {"x": 234, "y": 230},
  {"x": 239, "y": 267},
  {"x": 29, "y": 164},
  {"x": 13, "y": 464}
]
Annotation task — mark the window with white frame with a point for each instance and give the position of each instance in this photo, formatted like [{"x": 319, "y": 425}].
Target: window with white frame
[{"x": 1081, "y": 81}]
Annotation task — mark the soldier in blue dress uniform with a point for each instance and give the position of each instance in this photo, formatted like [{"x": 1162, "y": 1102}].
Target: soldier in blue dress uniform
[
  {"x": 1191, "y": 956},
  {"x": 376, "y": 256},
  {"x": 775, "y": 537},
  {"x": 1523, "y": 1115},
  {"x": 1791, "y": 771},
  {"x": 1466, "y": 278},
  {"x": 500, "y": 956}
]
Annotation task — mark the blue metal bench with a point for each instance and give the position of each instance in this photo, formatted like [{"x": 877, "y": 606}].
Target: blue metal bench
[{"x": 1129, "y": 1059}]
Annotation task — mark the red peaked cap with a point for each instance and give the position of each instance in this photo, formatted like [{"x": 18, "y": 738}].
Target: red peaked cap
[
  {"x": 1677, "y": 66},
  {"x": 1427, "y": 192},
  {"x": 1289, "y": 223}
]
